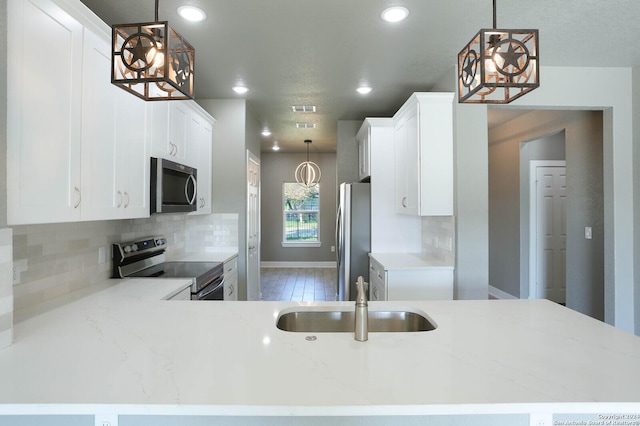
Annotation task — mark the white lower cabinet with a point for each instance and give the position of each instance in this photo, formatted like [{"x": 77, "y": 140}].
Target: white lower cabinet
[
  {"x": 404, "y": 277},
  {"x": 231, "y": 279}
]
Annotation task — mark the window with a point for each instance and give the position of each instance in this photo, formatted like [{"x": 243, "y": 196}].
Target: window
[{"x": 301, "y": 215}]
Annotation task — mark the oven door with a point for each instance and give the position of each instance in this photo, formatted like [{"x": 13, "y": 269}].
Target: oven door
[{"x": 213, "y": 291}]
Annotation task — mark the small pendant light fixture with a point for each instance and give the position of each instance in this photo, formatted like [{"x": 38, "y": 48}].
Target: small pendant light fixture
[
  {"x": 152, "y": 61},
  {"x": 308, "y": 173},
  {"x": 498, "y": 66}
]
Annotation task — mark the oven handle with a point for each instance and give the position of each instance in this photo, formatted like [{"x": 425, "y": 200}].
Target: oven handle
[{"x": 204, "y": 293}]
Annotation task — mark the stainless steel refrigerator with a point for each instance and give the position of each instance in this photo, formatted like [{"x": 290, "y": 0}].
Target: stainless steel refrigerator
[{"x": 353, "y": 237}]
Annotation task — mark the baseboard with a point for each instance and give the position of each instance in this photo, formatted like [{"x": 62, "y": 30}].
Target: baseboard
[
  {"x": 499, "y": 294},
  {"x": 297, "y": 264}
]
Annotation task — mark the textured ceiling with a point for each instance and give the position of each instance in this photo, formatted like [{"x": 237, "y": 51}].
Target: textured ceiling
[{"x": 316, "y": 52}]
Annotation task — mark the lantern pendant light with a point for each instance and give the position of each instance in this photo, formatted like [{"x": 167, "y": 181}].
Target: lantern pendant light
[
  {"x": 152, "y": 61},
  {"x": 498, "y": 66},
  {"x": 308, "y": 173}
]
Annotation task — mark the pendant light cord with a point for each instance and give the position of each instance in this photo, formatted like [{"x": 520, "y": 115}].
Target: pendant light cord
[
  {"x": 157, "y": 1},
  {"x": 494, "y": 14}
]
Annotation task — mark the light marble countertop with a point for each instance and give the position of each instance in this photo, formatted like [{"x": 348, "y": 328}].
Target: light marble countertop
[
  {"x": 408, "y": 261},
  {"x": 221, "y": 255},
  {"x": 124, "y": 345}
]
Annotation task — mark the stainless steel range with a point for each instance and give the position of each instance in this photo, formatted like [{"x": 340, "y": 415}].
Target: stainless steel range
[{"x": 145, "y": 258}]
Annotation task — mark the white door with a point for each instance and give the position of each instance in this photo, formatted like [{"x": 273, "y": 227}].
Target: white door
[
  {"x": 549, "y": 267},
  {"x": 253, "y": 227}
]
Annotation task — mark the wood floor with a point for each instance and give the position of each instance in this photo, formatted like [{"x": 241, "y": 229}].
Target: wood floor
[{"x": 298, "y": 284}]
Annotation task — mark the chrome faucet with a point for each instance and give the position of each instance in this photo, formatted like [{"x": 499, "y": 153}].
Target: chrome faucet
[{"x": 362, "y": 311}]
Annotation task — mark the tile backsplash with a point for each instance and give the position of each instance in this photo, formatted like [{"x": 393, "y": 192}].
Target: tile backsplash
[
  {"x": 438, "y": 238},
  {"x": 53, "y": 260}
]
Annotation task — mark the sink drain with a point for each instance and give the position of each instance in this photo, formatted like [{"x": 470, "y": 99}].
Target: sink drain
[{"x": 311, "y": 338}]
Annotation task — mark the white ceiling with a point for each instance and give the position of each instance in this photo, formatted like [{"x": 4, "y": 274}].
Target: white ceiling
[{"x": 316, "y": 52}]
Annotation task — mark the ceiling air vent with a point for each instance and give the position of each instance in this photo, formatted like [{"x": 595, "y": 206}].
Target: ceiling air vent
[
  {"x": 304, "y": 108},
  {"x": 306, "y": 125}
]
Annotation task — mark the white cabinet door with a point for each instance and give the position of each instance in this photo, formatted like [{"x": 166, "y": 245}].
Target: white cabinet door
[
  {"x": 101, "y": 196},
  {"x": 200, "y": 134},
  {"x": 407, "y": 163},
  {"x": 132, "y": 166},
  {"x": 377, "y": 281},
  {"x": 231, "y": 279},
  {"x": 170, "y": 121},
  {"x": 43, "y": 107},
  {"x": 178, "y": 124},
  {"x": 364, "y": 152},
  {"x": 424, "y": 155},
  {"x": 114, "y": 146}
]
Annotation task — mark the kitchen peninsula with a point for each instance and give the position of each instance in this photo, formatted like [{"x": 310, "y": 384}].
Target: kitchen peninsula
[{"x": 125, "y": 350}]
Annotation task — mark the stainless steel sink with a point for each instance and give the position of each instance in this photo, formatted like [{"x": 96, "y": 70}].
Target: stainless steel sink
[{"x": 338, "y": 321}]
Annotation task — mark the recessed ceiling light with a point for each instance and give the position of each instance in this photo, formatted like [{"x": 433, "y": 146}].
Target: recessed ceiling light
[
  {"x": 275, "y": 146},
  {"x": 363, "y": 90},
  {"x": 266, "y": 132},
  {"x": 192, "y": 13},
  {"x": 240, "y": 89},
  {"x": 394, "y": 14}
]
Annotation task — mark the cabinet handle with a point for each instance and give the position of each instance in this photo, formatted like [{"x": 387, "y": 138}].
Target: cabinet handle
[
  {"x": 375, "y": 293},
  {"x": 404, "y": 201},
  {"x": 79, "y": 194},
  {"x": 231, "y": 289},
  {"x": 121, "y": 199},
  {"x": 126, "y": 197},
  {"x": 177, "y": 147}
]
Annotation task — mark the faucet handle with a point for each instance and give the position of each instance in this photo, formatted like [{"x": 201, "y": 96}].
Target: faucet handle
[{"x": 362, "y": 288}]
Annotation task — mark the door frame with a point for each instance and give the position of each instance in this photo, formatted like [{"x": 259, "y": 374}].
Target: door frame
[
  {"x": 251, "y": 157},
  {"x": 533, "y": 220}
]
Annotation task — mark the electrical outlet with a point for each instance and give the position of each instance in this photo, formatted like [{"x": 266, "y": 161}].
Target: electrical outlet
[
  {"x": 15, "y": 274},
  {"x": 102, "y": 255},
  {"x": 333, "y": 249},
  {"x": 106, "y": 420},
  {"x": 540, "y": 419}
]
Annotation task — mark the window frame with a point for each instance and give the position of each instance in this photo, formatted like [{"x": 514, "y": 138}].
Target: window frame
[{"x": 306, "y": 243}]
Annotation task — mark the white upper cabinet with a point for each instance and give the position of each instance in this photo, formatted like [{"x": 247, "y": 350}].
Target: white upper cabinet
[
  {"x": 200, "y": 137},
  {"x": 43, "y": 113},
  {"x": 364, "y": 152},
  {"x": 170, "y": 123},
  {"x": 424, "y": 155},
  {"x": 77, "y": 145},
  {"x": 114, "y": 141}
]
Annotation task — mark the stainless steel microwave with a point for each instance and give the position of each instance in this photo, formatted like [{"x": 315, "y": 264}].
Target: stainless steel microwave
[{"x": 173, "y": 187}]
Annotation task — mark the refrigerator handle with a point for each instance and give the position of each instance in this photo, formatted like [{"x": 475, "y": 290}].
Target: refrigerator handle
[{"x": 338, "y": 233}]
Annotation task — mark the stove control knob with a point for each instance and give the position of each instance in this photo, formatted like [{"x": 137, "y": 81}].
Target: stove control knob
[
  {"x": 134, "y": 247},
  {"x": 127, "y": 249}
]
